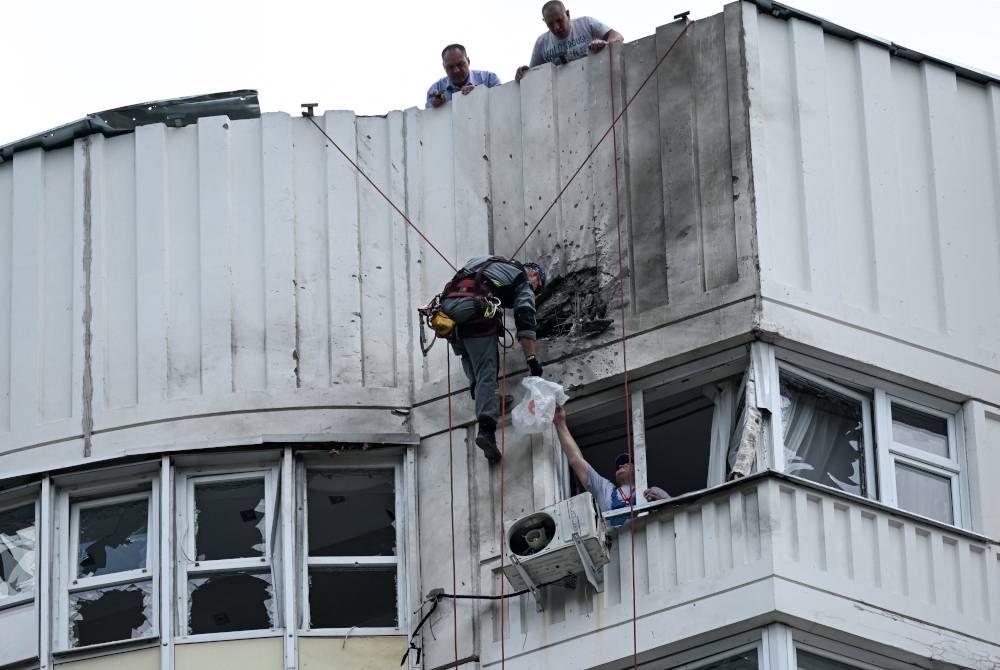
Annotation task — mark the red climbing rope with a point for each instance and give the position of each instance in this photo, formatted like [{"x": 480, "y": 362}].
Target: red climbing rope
[
  {"x": 384, "y": 196},
  {"x": 614, "y": 122},
  {"x": 503, "y": 540},
  {"x": 628, "y": 394},
  {"x": 451, "y": 490}
]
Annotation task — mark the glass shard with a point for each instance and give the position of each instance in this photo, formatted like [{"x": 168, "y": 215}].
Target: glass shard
[
  {"x": 230, "y": 601},
  {"x": 230, "y": 519},
  {"x": 17, "y": 550},
  {"x": 110, "y": 614},
  {"x": 352, "y": 513},
  {"x": 345, "y": 598},
  {"x": 112, "y": 538}
]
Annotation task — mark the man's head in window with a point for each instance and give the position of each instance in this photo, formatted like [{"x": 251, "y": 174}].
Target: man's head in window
[{"x": 624, "y": 470}]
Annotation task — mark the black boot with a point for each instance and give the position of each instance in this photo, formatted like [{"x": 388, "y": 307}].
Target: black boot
[{"x": 487, "y": 440}]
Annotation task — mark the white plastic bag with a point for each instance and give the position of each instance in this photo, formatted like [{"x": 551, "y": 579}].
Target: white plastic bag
[{"x": 535, "y": 411}]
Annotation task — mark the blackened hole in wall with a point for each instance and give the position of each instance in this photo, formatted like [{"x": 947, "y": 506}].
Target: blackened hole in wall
[
  {"x": 107, "y": 615},
  {"x": 573, "y": 305},
  {"x": 228, "y": 602},
  {"x": 344, "y": 598}
]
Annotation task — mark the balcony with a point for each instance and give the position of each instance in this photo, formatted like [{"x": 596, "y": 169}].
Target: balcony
[{"x": 766, "y": 548}]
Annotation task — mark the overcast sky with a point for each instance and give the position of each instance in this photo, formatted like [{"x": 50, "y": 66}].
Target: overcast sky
[{"x": 63, "y": 60}]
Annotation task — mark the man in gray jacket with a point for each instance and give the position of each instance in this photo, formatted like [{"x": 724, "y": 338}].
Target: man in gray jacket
[{"x": 473, "y": 299}]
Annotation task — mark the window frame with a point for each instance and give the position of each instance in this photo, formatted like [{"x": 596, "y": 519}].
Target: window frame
[
  {"x": 883, "y": 392},
  {"x": 304, "y": 562},
  {"x": 69, "y": 502},
  {"x": 894, "y": 452},
  {"x": 869, "y": 463},
  {"x": 186, "y": 480},
  {"x": 14, "y": 501},
  {"x": 696, "y": 374}
]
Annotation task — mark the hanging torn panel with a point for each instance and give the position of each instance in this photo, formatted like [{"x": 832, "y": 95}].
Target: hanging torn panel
[
  {"x": 17, "y": 550},
  {"x": 110, "y": 614}
]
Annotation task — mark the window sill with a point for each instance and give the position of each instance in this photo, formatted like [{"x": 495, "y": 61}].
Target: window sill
[
  {"x": 351, "y": 632},
  {"x": 235, "y": 635},
  {"x": 15, "y": 601},
  {"x": 104, "y": 649}
]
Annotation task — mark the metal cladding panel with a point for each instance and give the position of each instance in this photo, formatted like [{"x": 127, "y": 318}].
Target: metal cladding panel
[
  {"x": 229, "y": 266},
  {"x": 878, "y": 190}
]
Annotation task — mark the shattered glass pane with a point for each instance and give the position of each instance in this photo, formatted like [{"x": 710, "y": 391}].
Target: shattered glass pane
[
  {"x": 352, "y": 513},
  {"x": 112, "y": 538},
  {"x": 230, "y": 519},
  {"x": 824, "y": 435},
  {"x": 230, "y": 601},
  {"x": 109, "y": 614},
  {"x": 344, "y": 598},
  {"x": 17, "y": 550}
]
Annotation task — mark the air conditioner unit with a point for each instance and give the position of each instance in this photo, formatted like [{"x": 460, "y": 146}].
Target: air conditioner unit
[{"x": 568, "y": 538}]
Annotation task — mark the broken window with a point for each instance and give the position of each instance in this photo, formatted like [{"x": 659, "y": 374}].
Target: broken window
[
  {"x": 226, "y": 571},
  {"x": 112, "y": 537},
  {"x": 352, "y": 548},
  {"x": 109, "y": 595},
  {"x": 109, "y": 614},
  {"x": 230, "y": 601},
  {"x": 17, "y": 551},
  {"x": 826, "y": 432}
]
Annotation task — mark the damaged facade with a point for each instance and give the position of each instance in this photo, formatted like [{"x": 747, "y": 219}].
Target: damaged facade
[{"x": 221, "y": 446}]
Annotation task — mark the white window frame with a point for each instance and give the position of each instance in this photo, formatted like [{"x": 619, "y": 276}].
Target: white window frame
[
  {"x": 868, "y": 433},
  {"x": 886, "y": 452},
  {"x": 305, "y": 562},
  {"x": 69, "y": 505},
  {"x": 700, "y": 373},
  {"x": 6, "y": 505},
  {"x": 189, "y": 567},
  {"x": 892, "y": 452}
]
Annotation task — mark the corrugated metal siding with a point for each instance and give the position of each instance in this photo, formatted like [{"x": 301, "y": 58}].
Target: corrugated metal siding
[
  {"x": 242, "y": 265},
  {"x": 879, "y": 191}
]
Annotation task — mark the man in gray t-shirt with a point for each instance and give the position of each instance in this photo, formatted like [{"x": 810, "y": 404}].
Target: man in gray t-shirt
[
  {"x": 608, "y": 496},
  {"x": 567, "y": 39}
]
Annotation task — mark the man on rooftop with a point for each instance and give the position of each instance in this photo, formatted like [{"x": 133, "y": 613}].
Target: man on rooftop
[
  {"x": 567, "y": 39},
  {"x": 459, "y": 77}
]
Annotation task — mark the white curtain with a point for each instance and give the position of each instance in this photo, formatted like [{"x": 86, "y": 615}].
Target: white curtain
[{"x": 823, "y": 436}]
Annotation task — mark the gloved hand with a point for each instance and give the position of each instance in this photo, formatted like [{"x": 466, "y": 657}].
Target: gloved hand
[{"x": 534, "y": 367}]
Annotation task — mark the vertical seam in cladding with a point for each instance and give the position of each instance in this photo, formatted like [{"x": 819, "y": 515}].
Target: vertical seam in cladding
[
  {"x": 993, "y": 107},
  {"x": 328, "y": 239},
  {"x": 866, "y": 152},
  {"x": 87, "y": 416},
  {"x": 800, "y": 173},
  {"x": 935, "y": 208},
  {"x": 358, "y": 248},
  {"x": 696, "y": 158}
]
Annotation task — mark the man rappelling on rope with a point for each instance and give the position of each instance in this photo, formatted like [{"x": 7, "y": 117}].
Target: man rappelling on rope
[{"x": 475, "y": 299}]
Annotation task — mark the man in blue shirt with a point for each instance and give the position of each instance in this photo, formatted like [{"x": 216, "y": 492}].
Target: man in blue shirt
[
  {"x": 460, "y": 77},
  {"x": 608, "y": 496}
]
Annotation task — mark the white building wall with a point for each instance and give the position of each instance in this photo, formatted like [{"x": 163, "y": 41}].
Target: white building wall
[{"x": 878, "y": 189}]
